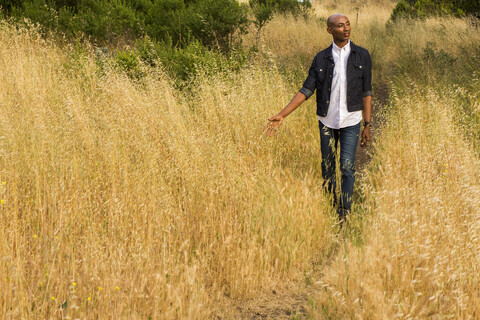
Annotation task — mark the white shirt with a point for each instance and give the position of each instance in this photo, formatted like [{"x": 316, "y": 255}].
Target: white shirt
[{"x": 338, "y": 115}]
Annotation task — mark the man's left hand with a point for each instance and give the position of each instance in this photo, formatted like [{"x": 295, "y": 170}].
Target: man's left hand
[{"x": 365, "y": 136}]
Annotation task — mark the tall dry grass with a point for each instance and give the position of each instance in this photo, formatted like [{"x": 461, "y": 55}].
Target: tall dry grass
[
  {"x": 420, "y": 255},
  {"x": 421, "y": 258},
  {"x": 124, "y": 199},
  {"x": 129, "y": 200}
]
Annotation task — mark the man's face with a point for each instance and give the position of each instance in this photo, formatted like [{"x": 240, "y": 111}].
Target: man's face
[{"x": 340, "y": 28}]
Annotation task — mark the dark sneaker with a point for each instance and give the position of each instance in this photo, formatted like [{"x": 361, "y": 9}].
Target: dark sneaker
[{"x": 342, "y": 215}]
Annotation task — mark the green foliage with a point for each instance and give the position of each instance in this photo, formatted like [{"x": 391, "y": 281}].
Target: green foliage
[
  {"x": 440, "y": 61},
  {"x": 165, "y": 21},
  {"x": 129, "y": 62},
  {"x": 183, "y": 64},
  {"x": 213, "y": 22},
  {"x": 263, "y": 11},
  {"x": 216, "y": 22},
  {"x": 7, "y": 5},
  {"x": 184, "y": 36},
  {"x": 103, "y": 21},
  {"x": 38, "y": 12},
  {"x": 424, "y": 8},
  {"x": 403, "y": 10},
  {"x": 292, "y": 6},
  {"x": 265, "y": 8}
]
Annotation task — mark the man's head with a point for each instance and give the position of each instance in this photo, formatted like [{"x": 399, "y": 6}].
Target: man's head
[{"x": 338, "y": 26}]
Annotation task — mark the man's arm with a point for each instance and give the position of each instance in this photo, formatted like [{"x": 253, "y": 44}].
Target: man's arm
[
  {"x": 303, "y": 94},
  {"x": 367, "y": 99},
  {"x": 367, "y": 114},
  {"x": 276, "y": 121}
]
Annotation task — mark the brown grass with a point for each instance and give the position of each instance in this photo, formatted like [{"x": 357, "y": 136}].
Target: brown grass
[
  {"x": 132, "y": 200},
  {"x": 124, "y": 199},
  {"x": 422, "y": 189}
]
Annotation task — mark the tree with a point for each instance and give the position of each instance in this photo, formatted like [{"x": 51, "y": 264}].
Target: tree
[
  {"x": 263, "y": 11},
  {"x": 216, "y": 22}
]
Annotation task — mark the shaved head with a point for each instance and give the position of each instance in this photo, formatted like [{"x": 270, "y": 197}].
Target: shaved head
[
  {"x": 333, "y": 18},
  {"x": 339, "y": 27}
]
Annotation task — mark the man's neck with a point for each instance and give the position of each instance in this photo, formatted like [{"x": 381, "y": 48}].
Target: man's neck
[{"x": 340, "y": 44}]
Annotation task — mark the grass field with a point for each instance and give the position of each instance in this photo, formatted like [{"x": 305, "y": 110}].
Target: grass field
[{"x": 131, "y": 199}]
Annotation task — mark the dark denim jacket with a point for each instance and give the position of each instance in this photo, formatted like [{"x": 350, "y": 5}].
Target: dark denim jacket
[{"x": 359, "y": 78}]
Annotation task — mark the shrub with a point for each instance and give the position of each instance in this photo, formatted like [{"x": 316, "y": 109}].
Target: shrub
[
  {"x": 403, "y": 10},
  {"x": 216, "y": 22},
  {"x": 423, "y": 8},
  {"x": 106, "y": 21},
  {"x": 263, "y": 11},
  {"x": 292, "y": 6},
  {"x": 38, "y": 12},
  {"x": 128, "y": 61},
  {"x": 164, "y": 21}
]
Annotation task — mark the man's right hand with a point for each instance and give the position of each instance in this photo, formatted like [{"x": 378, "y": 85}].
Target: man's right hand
[
  {"x": 273, "y": 125},
  {"x": 276, "y": 122}
]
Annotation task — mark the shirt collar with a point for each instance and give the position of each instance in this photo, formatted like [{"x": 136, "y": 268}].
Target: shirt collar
[{"x": 346, "y": 47}]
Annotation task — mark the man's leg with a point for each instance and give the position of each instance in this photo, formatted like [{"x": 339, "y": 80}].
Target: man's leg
[
  {"x": 348, "y": 147},
  {"x": 328, "y": 144}
]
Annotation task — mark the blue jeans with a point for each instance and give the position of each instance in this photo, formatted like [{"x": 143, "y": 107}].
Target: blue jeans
[{"x": 329, "y": 138}]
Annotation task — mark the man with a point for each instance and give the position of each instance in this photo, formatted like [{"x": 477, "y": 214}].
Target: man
[{"x": 342, "y": 75}]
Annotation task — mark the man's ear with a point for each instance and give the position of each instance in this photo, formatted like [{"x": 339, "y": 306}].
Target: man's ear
[{"x": 329, "y": 30}]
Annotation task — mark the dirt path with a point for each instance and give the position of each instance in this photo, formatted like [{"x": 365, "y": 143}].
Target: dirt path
[
  {"x": 275, "y": 306},
  {"x": 362, "y": 156}
]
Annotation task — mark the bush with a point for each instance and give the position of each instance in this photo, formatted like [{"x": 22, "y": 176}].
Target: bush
[
  {"x": 184, "y": 63},
  {"x": 294, "y": 7},
  {"x": 165, "y": 21},
  {"x": 263, "y": 11},
  {"x": 423, "y": 8},
  {"x": 128, "y": 62},
  {"x": 403, "y": 10},
  {"x": 38, "y": 12},
  {"x": 106, "y": 21},
  {"x": 216, "y": 22}
]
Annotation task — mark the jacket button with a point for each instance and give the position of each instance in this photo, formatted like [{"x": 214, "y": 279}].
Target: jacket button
[
  {"x": 328, "y": 101},
  {"x": 330, "y": 76},
  {"x": 328, "y": 89}
]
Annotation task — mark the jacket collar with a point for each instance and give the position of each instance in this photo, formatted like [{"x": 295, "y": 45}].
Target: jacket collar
[{"x": 329, "y": 55}]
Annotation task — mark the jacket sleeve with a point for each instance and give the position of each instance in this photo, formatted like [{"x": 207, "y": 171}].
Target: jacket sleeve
[
  {"x": 310, "y": 83},
  {"x": 367, "y": 77}
]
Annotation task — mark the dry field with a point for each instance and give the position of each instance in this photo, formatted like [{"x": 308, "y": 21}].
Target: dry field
[
  {"x": 127, "y": 200},
  {"x": 134, "y": 200}
]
